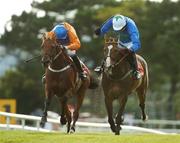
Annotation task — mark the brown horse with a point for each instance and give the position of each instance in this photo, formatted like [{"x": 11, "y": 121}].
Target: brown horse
[
  {"x": 117, "y": 82},
  {"x": 62, "y": 80}
]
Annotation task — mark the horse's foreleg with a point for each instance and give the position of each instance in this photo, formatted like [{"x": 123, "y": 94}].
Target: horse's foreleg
[
  {"x": 62, "y": 116},
  {"x": 119, "y": 117},
  {"x": 46, "y": 105},
  {"x": 80, "y": 98},
  {"x": 108, "y": 103},
  {"x": 68, "y": 117}
]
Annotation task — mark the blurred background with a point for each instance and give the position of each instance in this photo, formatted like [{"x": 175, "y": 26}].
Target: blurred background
[{"x": 23, "y": 22}]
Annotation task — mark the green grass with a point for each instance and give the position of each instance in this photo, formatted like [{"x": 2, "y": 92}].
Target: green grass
[{"x": 39, "y": 137}]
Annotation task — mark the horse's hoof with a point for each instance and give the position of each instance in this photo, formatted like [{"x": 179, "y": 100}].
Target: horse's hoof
[
  {"x": 113, "y": 129},
  {"x": 145, "y": 118},
  {"x": 72, "y": 131},
  {"x": 63, "y": 120},
  {"x": 68, "y": 130},
  {"x": 117, "y": 133},
  {"x": 42, "y": 123},
  {"x": 118, "y": 128}
]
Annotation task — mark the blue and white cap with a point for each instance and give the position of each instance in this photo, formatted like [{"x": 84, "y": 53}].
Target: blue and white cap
[{"x": 118, "y": 22}]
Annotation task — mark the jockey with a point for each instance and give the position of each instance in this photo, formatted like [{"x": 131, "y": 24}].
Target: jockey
[
  {"x": 66, "y": 35},
  {"x": 127, "y": 32}
]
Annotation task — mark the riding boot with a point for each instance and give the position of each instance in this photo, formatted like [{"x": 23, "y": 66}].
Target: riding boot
[
  {"x": 79, "y": 67},
  {"x": 133, "y": 63}
]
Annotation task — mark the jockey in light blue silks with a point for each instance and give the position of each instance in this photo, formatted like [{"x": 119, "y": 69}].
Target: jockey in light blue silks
[{"x": 128, "y": 34}]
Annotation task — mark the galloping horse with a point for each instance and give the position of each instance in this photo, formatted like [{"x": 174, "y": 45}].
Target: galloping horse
[
  {"x": 117, "y": 82},
  {"x": 61, "y": 79}
]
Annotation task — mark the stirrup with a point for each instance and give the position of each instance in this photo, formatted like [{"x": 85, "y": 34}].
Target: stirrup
[
  {"x": 136, "y": 74},
  {"x": 83, "y": 76},
  {"x": 98, "y": 70}
]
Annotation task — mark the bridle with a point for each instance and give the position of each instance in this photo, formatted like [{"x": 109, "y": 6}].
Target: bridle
[
  {"x": 108, "y": 56},
  {"x": 50, "y": 58},
  {"x": 54, "y": 58},
  {"x": 118, "y": 62},
  {"x": 108, "y": 70}
]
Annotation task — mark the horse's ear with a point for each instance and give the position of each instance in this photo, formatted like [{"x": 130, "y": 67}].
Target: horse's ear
[
  {"x": 107, "y": 39},
  {"x": 116, "y": 40},
  {"x": 44, "y": 36}
]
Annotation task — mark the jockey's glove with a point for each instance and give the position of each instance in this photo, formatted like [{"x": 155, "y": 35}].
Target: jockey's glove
[{"x": 97, "y": 31}]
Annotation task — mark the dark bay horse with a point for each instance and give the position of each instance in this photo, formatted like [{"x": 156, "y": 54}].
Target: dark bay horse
[
  {"x": 62, "y": 80},
  {"x": 117, "y": 82}
]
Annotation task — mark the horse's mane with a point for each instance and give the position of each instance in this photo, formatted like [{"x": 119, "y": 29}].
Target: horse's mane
[{"x": 49, "y": 35}]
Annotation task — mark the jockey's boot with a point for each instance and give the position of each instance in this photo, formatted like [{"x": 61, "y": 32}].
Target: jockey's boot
[
  {"x": 82, "y": 75},
  {"x": 133, "y": 63}
]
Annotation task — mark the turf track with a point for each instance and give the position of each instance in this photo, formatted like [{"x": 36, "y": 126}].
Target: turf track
[{"x": 39, "y": 137}]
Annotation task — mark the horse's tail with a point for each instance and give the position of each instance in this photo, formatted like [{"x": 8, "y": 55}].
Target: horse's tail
[{"x": 93, "y": 83}]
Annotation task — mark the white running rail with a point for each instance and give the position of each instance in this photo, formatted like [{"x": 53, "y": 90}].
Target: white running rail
[{"x": 36, "y": 119}]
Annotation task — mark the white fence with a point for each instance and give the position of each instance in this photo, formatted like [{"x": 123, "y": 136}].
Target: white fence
[{"x": 23, "y": 118}]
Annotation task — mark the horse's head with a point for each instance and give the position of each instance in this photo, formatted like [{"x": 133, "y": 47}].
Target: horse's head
[
  {"x": 113, "y": 52},
  {"x": 51, "y": 49}
]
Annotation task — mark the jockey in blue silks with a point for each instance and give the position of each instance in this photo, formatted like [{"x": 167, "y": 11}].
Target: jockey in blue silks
[{"x": 128, "y": 34}]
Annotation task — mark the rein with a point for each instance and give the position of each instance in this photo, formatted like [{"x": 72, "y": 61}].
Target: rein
[
  {"x": 119, "y": 61},
  {"x": 58, "y": 54}
]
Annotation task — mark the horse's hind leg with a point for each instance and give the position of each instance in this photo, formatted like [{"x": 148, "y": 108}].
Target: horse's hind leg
[
  {"x": 46, "y": 105},
  {"x": 80, "y": 97},
  {"x": 65, "y": 114},
  {"x": 68, "y": 117},
  {"x": 108, "y": 103},
  {"x": 142, "y": 96},
  {"x": 119, "y": 117}
]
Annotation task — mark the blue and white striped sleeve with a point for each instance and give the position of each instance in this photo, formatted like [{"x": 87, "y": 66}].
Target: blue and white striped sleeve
[
  {"x": 106, "y": 26},
  {"x": 134, "y": 35}
]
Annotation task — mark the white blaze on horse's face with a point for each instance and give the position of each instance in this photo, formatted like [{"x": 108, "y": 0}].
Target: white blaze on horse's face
[{"x": 108, "y": 59}]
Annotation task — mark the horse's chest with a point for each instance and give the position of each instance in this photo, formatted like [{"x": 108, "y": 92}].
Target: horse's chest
[
  {"x": 115, "y": 89},
  {"x": 58, "y": 87}
]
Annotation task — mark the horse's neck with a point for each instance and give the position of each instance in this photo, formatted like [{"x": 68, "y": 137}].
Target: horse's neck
[
  {"x": 121, "y": 69},
  {"x": 59, "y": 62}
]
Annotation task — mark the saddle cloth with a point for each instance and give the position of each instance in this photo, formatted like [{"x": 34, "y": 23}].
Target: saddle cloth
[{"x": 140, "y": 68}]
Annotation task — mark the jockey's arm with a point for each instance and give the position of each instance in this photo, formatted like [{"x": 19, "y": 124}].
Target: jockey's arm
[
  {"x": 74, "y": 42},
  {"x": 135, "y": 42},
  {"x": 106, "y": 26},
  {"x": 134, "y": 36}
]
